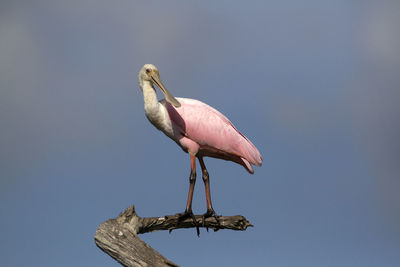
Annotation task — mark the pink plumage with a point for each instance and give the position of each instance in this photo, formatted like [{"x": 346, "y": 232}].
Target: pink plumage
[
  {"x": 199, "y": 130},
  {"x": 204, "y": 131}
]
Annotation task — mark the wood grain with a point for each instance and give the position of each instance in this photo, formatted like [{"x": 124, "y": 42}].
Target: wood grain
[{"x": 119, "y": 237}]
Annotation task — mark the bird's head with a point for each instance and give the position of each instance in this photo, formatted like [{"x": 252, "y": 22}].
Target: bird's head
[{"x": 149, "y": 73}]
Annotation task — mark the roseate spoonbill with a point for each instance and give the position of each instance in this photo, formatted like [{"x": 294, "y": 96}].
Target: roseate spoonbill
[{"x": 199, "y": 130}]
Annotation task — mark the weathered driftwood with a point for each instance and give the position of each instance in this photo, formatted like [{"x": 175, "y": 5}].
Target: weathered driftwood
[{"x": 118, "y": 237}]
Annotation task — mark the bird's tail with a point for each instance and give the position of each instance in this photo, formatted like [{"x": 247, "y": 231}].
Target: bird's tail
[{"x": 249, "y": 154}]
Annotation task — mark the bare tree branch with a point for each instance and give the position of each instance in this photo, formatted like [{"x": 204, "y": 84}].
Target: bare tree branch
[{"x": 118, "y": 237}]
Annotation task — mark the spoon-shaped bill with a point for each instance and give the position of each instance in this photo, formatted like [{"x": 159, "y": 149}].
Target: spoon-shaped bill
[{"x": 168, "y": 96}]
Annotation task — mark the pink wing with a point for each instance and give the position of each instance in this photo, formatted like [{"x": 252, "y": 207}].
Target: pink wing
[{"x": 213, "y": 132}]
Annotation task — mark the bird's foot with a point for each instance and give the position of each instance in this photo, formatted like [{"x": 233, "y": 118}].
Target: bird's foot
[
  {"x": 185, "y": 215},
  {"x": 210, "y": 213}
]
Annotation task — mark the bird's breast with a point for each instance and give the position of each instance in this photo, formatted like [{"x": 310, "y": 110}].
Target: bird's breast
[{"x": 159, "y": 117}]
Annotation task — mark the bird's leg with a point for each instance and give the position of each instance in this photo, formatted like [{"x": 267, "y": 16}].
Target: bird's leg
[
  {"x": 210, "y": 211},
  {"x": 192, "y": 180}
]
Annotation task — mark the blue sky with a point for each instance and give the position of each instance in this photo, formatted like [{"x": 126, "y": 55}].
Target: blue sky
[{"x": 314, "y": 85}]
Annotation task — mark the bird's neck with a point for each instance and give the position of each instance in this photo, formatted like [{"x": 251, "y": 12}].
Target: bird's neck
[{"x": 151, "y": 105}]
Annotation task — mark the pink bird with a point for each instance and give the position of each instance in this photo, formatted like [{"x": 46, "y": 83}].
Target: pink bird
[{"x": 199, "y": 130}]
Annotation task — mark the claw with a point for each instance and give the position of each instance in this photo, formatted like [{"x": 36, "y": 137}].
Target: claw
[
  {"x": 187, "y": 214},
  {"x": 210, "y": 213}
]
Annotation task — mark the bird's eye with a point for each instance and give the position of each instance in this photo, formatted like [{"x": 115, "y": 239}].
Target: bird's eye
[{"x": 147, "y": 71}]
